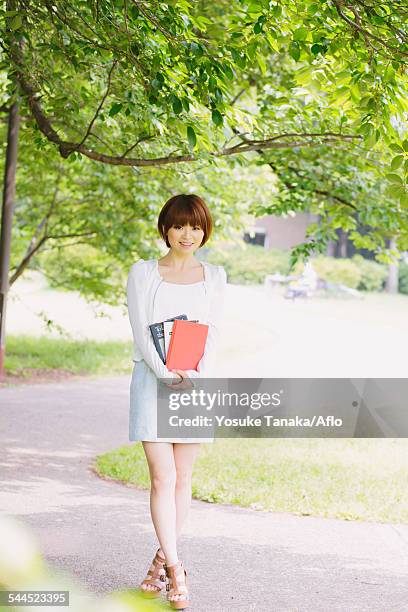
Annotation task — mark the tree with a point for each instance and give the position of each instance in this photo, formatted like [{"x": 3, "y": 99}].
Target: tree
[
  {"x": 313, "y": 91},
  {"x": 150, "y": 84}
]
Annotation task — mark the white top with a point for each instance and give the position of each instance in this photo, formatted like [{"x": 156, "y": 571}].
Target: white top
[
  {"x": 173, "y": 299},
  {"x": 144, "y": 283}
]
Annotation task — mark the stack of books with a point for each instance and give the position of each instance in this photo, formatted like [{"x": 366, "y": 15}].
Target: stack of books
[{"x": 180, "y": 343}]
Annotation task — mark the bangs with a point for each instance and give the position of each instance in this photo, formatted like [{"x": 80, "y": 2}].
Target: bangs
[{"x": 186, "y": 214}]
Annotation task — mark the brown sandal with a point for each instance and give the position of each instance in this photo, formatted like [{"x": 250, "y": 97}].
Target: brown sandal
[
  {"x": 176, "y": 584},
  {"x": 156, "y": 577}
]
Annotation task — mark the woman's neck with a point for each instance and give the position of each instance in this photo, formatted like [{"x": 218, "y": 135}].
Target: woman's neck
[{"x": 176, "y": 262}]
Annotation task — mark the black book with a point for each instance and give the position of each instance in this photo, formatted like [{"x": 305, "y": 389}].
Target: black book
[{"x": 157, "y": 330}]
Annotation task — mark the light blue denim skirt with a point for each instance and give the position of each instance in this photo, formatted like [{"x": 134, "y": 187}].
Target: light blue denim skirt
[{"x": 143, "y": 407}]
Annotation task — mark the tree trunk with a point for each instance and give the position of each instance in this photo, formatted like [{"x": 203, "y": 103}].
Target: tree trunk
[
  {"x": 7, "y": 220},
  {"x": 343, "y": 244},
  {"x": 331, "y": 248}
]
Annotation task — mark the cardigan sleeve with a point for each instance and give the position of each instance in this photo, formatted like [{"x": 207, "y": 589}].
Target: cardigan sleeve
[
  {"x": 135, "y": 292},
  {"x": 205, "y": 368}
]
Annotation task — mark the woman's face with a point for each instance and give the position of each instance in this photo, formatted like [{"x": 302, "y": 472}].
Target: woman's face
[{"x": 185, "y": 238}]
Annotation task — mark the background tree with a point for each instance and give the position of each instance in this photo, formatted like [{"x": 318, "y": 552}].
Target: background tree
[{"x": 82, "y": 226}]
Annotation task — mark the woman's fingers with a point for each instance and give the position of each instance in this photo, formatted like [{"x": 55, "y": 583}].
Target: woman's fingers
[
  {"x": 181, "y": 373},
  {"x": 185, "y": 382}
]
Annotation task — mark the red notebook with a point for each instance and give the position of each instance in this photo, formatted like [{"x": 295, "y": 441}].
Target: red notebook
[{"x": 187, "y": 345}]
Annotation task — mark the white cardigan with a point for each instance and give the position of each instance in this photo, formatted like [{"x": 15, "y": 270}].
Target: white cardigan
[{"x": 143, "y": 281}]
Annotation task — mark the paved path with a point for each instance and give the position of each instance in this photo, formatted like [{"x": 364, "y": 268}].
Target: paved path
[{"x": 238, "y": 559}]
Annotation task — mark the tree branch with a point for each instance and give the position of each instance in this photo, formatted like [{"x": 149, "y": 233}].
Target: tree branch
[
  {"x": 138, "y": 141},
  {"x": 66, "y": 147},
  {"x": 52, "y": 237},
  {"x": 35, "y": 242},
  {"x": 26, "y": 260},
  {"x": 65, "y": 246},
  {"x": 53, "y": 11},
  {"x": 323, "y": 192},
  {"x": 290, "y": 186},
  {"x": 287, "y": 184},
  {"x": 90, "y": 126},
  {"x": 339, "y": 8},
  {"x": 252, "y": 145},
  {"x": 151, "y": 17},
  {"x": 34, "y": 249}
]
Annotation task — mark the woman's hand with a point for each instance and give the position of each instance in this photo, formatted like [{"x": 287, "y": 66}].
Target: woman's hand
[{"x": 183, "y": 382}]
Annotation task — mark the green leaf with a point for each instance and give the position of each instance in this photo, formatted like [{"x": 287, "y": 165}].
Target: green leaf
[
  {"x": 389, "y": 73},
  {"x": 396, "y": 162},
  {"x": 300, "y": 33},
  {"x": 177, "y": 106},
  {"x": 16, "y": 22},
  {"x": 394, "y": 178},
  {"x": 312, "y": 9},
  {"x": 405, "y": 145},
  {"x": 261, "y": 63},
  {"x": 115, "y": 109},
  {"x": 254, "y": 7},
  {"x": 366, "y": 129},
  {"x": 217, "y": 117},
  {"x": 272, "y": 42},
  {"x": 228, "y": 72},
  {"x": 191, "y": 136},
  {"x": 396, "y": 147},
  {"x": 397, "y": 190},
  {"x": 197, "y": 49},
  {"x": 294, "y": 51},
  {"x": 355, "y": 92},
  {"x": 404, "y": 199}
]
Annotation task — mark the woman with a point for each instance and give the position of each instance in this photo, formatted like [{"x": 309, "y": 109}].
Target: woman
[{"x": 158, "y": 290}]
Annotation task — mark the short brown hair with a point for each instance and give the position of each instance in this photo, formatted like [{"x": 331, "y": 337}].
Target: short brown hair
[{"x": 185, "y": 209}]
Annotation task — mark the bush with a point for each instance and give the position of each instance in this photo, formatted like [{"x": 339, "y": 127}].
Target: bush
[
  {"x": 373, "y": 274},
  {"x": 403, "y": 278},
  {"x": 249, "y": 265},
  {"x": 343, "y": 271}
]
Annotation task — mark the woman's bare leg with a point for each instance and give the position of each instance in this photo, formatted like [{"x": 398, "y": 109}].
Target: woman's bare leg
[
  {"x": 162, "y": 470},
  {"x": 170, "y": 467},
  {"x": 184, "y": 457}
]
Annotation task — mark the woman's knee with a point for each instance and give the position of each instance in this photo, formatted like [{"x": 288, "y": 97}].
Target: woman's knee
[
  {"x": 183, "y": 478},
  {"x": 163, "y": 480}
]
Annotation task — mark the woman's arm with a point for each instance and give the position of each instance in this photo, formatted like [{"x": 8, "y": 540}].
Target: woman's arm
[
  {"x": 138, "y": 320},
  {"x": 207, "y": 362}
]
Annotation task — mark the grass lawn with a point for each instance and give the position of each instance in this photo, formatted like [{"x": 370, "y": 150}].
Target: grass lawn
[
  {"x": 30, "y": 355},
  {"x": 352, "y": 479}
]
